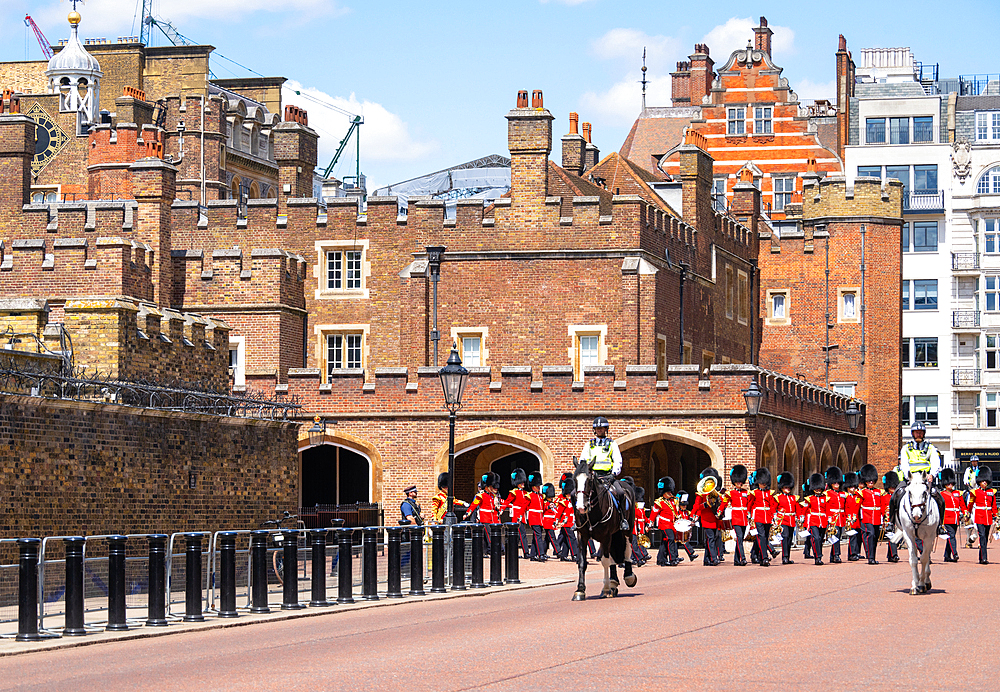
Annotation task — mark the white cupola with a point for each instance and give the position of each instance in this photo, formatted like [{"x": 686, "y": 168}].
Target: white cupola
[{"x": 75, "y": 75}]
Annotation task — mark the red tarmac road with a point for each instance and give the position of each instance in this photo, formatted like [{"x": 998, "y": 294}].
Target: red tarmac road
[{"x": 851, "y": 626}]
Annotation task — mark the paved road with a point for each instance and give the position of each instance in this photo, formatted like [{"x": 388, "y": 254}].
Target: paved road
[{"x": 845, "y": 627}]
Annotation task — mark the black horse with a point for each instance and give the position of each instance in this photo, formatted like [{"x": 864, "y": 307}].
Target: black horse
[{"x": 599, "y": 518}]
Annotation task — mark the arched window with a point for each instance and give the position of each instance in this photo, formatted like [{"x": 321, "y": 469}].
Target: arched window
[
  {"x": 235, "y": 188},
  {"x": 254, "y": 190},
  {"x": 989, "y": 182}
]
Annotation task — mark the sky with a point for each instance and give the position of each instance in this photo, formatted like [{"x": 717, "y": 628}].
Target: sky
[{"x": 434, "y": 79}]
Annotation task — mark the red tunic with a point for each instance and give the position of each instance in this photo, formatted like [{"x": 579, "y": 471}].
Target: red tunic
[
  {"x": 954, "y": 505},
  {"x": 762, "y": 506},
  {"x": 851, "y": 511},
  {"x": 835, "y": 505},
  {"x": 566, "y": 516},
  {"x": 737, "y": 500},
  {"x": 640, "y": 521},
  {"x": 549, "y": 514},
  {"x": 789, "y": 507},
  {"x": 486, "y": 502},
  {"x": 816, "y": 511},
  {"x": 983, "y": 504},
  {"x": 704, "y": 513},
  {"x": 872, "y": 509},
  {"x": 518, "y": 501},
  {"x": 662, "y": 516},
  {"x": 535, "y": 509}
]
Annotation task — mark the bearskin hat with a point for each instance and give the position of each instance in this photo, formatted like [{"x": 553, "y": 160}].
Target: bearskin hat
[
  {"x": 684, "y": 499},
  {"x": 850, "y": 480},
  {"x": 484, "y": 481},
  {"x": 567, "y": 484},
  {"x": 985, "y": 474},
  {"x": 640, "y": 494},
  {"x": 763, "y": 477},
  {"x": 549, "y": 490},
  {"x": 738, "y": 474},
  {"x": 868, "y": 474},
  {"x": 890, "y": 481},
  {"x": 442, "y": 481},
  {"x": 534, "y": 479},
  {"x": 947, "y": 475},
  {"x": 786, "y": 480},
  {"x": 817, "y": 483},
  {"x": 834, "y": 475},
  {"x": 517, "y": 477},
  {"x": 665, "y": 485}
]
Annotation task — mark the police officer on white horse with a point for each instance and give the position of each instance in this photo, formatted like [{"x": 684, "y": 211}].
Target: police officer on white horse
[
  {"x": 606, "y": 459},
  {"x": 917, "y": 455}
]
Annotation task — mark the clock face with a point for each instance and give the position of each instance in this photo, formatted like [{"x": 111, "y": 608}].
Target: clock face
[{"x": 49, "y": 138}]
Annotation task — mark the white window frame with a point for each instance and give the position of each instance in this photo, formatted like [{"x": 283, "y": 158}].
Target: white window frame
[
  {"x": 842, "y": 314},
  {"x": 322, "y": 267},
  {"x": 989, "y": 182},
  {"x": 736, "y": 121},
  {"x": 576, "y": 331},
  {"x": 771, "y": 318},
  {"x": 988, "y": 126},
  {"x": 845, "y": 388},
  {"x": 324, "y": 331},
  {"x": 762, "y": 120},
  {"x": 782, "y": 196},
  {"x": 458, "y": 334},
  {"x": 238, "y": 343}
]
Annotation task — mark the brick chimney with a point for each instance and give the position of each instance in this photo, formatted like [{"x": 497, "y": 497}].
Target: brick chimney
[
  {"x": 746, "y": 200},
  {"x": 17, "y": 148},
  {"x": 702, "y": 73},
  {"x": 680, "y": 85},
  {"x": 529, "y": 138},
  {"x": 295, "y": 145},
  {"x": 593, "y": 154},
  {"x": 696, "y": 181},
  {"x": 154, "y": 185},
  {"x": 845, "y": 90},
  {"x": 762, "y": 37},
  {"x": 573, "y": 147}
]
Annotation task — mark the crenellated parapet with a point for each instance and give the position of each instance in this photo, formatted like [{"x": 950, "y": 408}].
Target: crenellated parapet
[
  {"x": 831, "y": 197},
  {"x": 228, "y": 277}
]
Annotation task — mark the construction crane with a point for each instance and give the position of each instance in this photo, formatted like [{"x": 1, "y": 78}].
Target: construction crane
[
  {"x": 354, "y": 129},
  {"x": 43, "y": 42}
]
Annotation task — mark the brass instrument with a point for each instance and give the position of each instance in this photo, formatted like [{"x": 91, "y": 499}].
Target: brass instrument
[
  {"x": 644, "y": 541},
  {"x": 708, "y": 487},
  {"x": 774, "y": 534}
]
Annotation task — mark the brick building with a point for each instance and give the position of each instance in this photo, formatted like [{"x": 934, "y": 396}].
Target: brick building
[{"x": 593, "y": 288}]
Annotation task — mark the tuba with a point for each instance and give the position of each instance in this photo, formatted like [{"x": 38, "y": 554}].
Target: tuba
[{"x": 708, "y": 487}]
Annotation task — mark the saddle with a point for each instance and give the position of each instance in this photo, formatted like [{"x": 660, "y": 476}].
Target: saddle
[{"x": 898, "y": 495}]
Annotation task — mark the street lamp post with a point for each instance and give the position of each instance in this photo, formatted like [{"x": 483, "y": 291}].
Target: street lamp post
[
  {"x": 434, "y": 255},
  {"x": 453, "y": 379}
]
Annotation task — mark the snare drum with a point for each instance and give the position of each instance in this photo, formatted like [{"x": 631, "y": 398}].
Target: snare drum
[{"x": 682, "y": 530}]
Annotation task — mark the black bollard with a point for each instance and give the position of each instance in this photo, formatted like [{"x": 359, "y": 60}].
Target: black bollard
[
  {"x": 27, "y": 590},
  {"x": 513, "y": 538},
  {"x": 74, "y": 586},
  {"x": 157, "y": 605},
  {"x": 192, "y": 578},
  {"x": 116, "y": 584},
  {"x": 458, "y": 557},
  {"x": 369, "y": 563},
  {"x": 417, "y": 560},
  {"x": 496, "y": 554},
  {"x": 258, "y": 571},
  {"x": 477, "y": 557},
  {"x": 318, "y": 568},
  {"x": 394, "y": 585},
  {"x": 290, "y": 570},
  {"x": 227, "y": 575},
  {"x": 345, "y": 575},
  {"x": 437, "y": 558}
]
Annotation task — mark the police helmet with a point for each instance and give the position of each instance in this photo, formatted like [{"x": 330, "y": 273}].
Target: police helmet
[
  {"x": 918, "y": 425},
  {"x": 601, "y": 422}
]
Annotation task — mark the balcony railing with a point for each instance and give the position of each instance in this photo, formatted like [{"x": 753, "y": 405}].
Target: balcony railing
[
  {"x": 965, "y": 319},
  {"x": 964, "y": 261},
  {"x": 966, "y": 377},
  {"x": 923, "y": 201}
]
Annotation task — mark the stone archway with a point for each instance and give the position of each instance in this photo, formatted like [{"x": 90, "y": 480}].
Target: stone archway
[
  {"x": 484, "y": 450},
  {"x": 857, "y": 460},
  {"x": 769, "y": 454},
  {"x": 650, "y": 453},
  {"x": 357, "y": 447}
]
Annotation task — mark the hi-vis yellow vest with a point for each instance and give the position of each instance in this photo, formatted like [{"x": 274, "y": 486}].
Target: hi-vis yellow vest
[
  {"x": 919, "y": 459},
  {"x": 599, "y": 450}
]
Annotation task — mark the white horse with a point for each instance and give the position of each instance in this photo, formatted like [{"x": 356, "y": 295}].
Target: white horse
[{"x": 918, "y": 518}]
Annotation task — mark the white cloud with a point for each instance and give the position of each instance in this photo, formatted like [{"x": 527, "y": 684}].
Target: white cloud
[
  {"x": 628, "y": 44},
  {"x": 735, "y": 33},
  {"x": 808, "y": 90},
  {"x": 620, "y": 104},
  {"x": 119, "y": 16},
  {"x": 384, "y": 135}
]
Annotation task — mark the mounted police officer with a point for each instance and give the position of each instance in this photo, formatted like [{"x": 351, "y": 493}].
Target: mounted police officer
[
  {"x": 605, "y": 458},
  {"x": 917, "y": 455}
]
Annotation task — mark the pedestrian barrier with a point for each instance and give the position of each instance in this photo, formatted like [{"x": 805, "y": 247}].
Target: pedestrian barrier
[{"x": 115, "y": 583}]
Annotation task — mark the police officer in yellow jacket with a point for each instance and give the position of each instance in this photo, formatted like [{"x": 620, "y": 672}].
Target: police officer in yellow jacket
[
  {"x": 606, "y": 460},
  {"x": 917, "y": 455}
]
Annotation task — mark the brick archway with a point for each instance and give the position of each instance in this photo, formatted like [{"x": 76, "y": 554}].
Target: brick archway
[
  {"x": 355, "y": 444},
  {"x": 503, "y": 436},
  {"x": 676, "y": 435}
]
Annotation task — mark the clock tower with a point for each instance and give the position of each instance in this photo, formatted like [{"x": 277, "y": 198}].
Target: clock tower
[{"x": 75, "y": 75}]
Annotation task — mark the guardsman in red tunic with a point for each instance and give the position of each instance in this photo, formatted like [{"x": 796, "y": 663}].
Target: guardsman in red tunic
[
  {"x": 533, "y": 515},
  {"x": 737, "y": 501},
  {"x": 568, "y": 550},
  {"x": 852, "y": 516},
  {"x": 517, "y": 501},
  {"x": 788, "y": 511},
  {"x": 485, "y": 506},
  {"x": 890, "y": 481},
  {"x": 983, "y": 505},
  {"x": 684, "y": 512},
  {"x": 872, "y": 510},
  {"x": 954, "y": 507},
  {"x": 439, "y": 503},
  {"x": 662, "y": 518},
  {"x": 762, "y": 505},
  {"x": 816, "y": 516},
  {"x": 705, "y": 512},
  {"x": 836, "y": 502}
]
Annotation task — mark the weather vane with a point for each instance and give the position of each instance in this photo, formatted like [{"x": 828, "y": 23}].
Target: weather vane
[{"x": 644, "y": 78}]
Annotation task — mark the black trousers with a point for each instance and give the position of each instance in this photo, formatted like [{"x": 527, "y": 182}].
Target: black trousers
[
  {"x": 740, "y": 532},
  {"x": 816, "y": 536},
  {"x": 537, "y": 537},
  {"x": 950, "y": 544},
  {"x": 668, "y": 548},
  {"x": 854, "y": 545},
  {"x": 552, "y": 539},
  {"x": 787, "y": 536},
  {"x": 567, "y": 543},
  {"x": 835, "y": 548},
  {"x": 807, "y": 549},
  {"x": 983, "y": 540},
  {"x": 524, "y": 533},
  {"x": 893, "y": 552},
  {"x": 711, "y": 545},
  {"x": 868, "y": 531},
  {"x": 763, "y": 546}
]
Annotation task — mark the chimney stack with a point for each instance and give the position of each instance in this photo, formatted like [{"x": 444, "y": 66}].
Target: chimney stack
[
  {"x": 680, "y": 84},
  {"x": 17, "y": 149},
  {"x": 529, "y": 138},
  {"x": 696, "y": 182},
  {"x": 762, "y": 37},
  {"x": 845, "y": 90},
  {"x": 295, "y": 145},
  {"x": 702, "y": 74},
  {"x": 573, "y": 147},
  {"x": 592, "y": 155}
]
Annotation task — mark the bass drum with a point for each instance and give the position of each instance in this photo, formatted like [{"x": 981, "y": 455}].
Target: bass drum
[{"x": 682, "y": 530}]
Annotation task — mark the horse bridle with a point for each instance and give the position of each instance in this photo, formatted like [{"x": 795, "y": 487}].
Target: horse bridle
[{"x": 591, "y": 503}]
